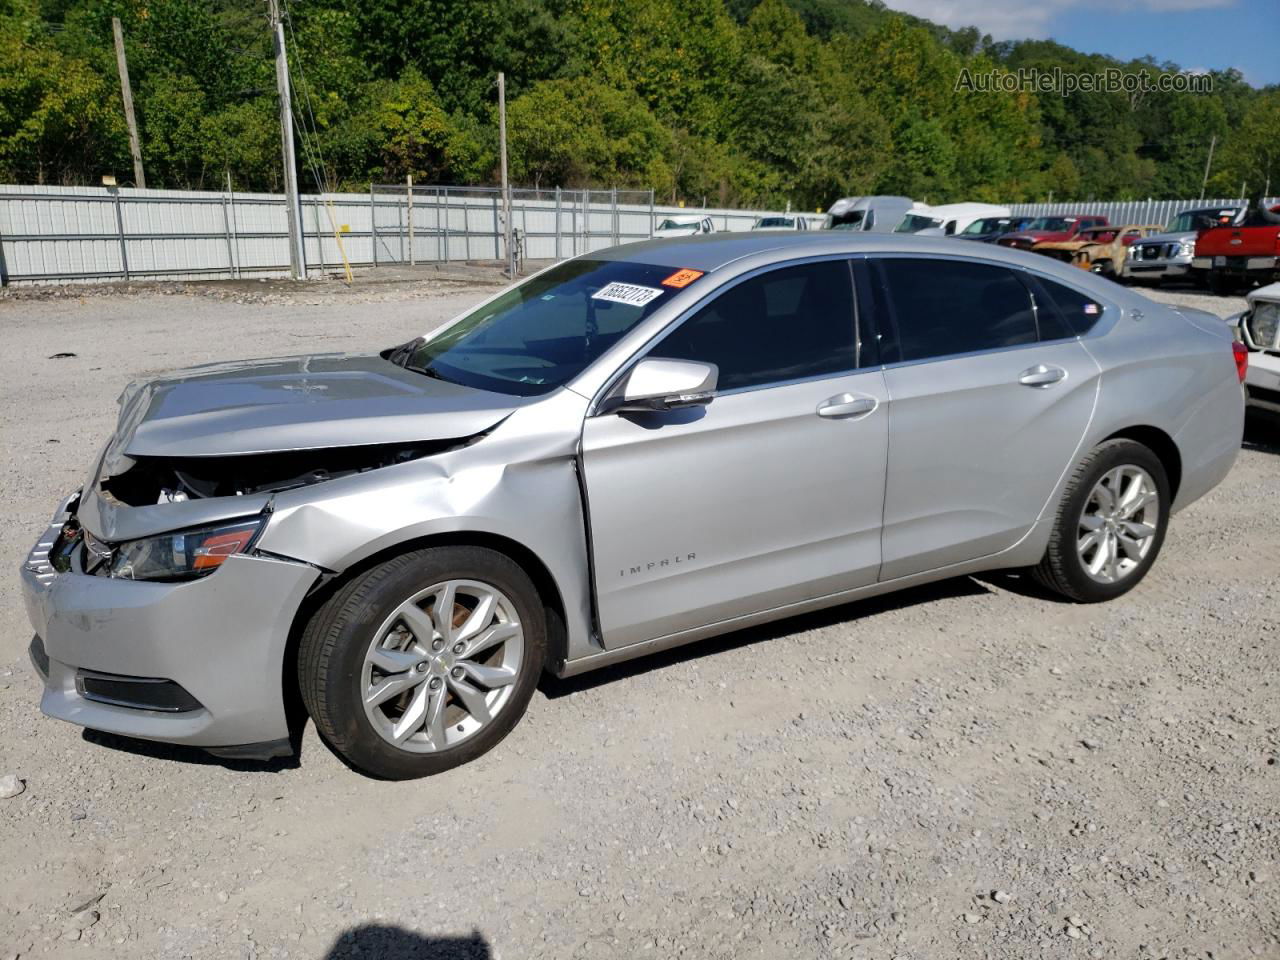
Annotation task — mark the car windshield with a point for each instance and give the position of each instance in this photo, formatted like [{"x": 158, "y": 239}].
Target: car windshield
[
  {"x": 677, "y": 224},
  {"x": 986, "y": 225},
  {"x": 547, "y": 330},
  {"x": 1051, "y": 224},
  {"x": 1190, "y": 220},
  {"x": 845, "y": 221},
  {"x": 775, "y": 222},
  {"x": 915, "y": 222}
]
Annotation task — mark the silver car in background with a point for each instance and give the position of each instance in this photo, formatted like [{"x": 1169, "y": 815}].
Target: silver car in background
[{"x": 629, "y": 451}]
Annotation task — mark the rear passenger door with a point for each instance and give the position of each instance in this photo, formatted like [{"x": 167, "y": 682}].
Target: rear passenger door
[{"x": 990, "y": 395}]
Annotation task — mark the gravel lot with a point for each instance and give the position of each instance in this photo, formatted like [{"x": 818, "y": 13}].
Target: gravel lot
[{"x": 966, "y": 770}]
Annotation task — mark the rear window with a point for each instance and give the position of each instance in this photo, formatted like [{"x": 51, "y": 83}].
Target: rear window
[
  {"x": 948, "y": 307},
  {"x": 1077, "y": 311}
]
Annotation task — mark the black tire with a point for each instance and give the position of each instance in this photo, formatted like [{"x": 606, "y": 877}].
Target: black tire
[
  {"x": 334, "y": 643},
  {"x": 1062, "y": 569}
]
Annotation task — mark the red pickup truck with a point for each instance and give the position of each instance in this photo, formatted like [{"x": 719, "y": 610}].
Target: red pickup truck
[
  {"x": 1059, "y": 227},
  {"x": 1238, "y": 255}
]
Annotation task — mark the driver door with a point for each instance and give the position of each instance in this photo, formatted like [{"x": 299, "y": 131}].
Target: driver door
[{"x": 770, "y": 495}]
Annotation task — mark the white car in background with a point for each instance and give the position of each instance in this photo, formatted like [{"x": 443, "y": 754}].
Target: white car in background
[
  {"x": 947, "y": 219},
  {"x": 787, "y": 222},
  {"x": 1259, "y": 329},
  {"x": 674, "y": 227}
]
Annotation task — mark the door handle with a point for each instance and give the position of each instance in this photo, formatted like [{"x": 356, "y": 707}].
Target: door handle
[
  {"x": 847, "y": 405},
  {"x": 1042, "y": 376}
]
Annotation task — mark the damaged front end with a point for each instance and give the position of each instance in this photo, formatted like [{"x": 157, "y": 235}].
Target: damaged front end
[
  {"x": 200, "y": 448},
  {"x": 155, "y": 480},
  {"x": 179, "y": 518}
]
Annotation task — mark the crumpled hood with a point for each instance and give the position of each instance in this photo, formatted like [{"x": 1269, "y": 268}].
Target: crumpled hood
[{"x": 295, "y": 403}]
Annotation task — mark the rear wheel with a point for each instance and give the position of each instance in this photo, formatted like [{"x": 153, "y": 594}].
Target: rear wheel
[
  {"x": 424, "y": 662},
  {"x": 1110, "y": 524}
]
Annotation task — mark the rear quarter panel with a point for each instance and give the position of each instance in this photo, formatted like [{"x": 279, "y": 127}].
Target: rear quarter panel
[{"x": 1165, "y": 370}]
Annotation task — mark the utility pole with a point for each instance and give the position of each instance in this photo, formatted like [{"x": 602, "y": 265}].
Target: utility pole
[
  {"x": 293, "y": 205},
  {"x": 1207, "y": 164},
  {"x": 506, "y": 187},
  {"x": 126, "y": 92}
]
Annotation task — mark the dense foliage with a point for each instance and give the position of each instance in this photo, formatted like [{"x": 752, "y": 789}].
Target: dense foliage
[{"x": 741, "y": 102}]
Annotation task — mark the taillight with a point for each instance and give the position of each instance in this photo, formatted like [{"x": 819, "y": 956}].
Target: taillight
[{"x": 1241, "y": 353}]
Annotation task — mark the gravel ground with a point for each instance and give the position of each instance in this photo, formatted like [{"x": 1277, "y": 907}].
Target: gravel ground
[{"x": 964, "y": 770}]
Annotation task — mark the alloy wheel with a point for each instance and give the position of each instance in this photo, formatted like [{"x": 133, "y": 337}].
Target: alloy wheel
[
  {"x": 442, "y": 665},
  {"x": 1118, "y": 524}
]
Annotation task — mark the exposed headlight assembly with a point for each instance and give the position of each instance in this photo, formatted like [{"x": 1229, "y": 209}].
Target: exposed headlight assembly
[
  {"x": 1263, "y": 326},
  {"x": 184, "y": 555}
]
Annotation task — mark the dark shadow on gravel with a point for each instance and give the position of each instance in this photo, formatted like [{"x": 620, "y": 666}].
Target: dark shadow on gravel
[
  {"x": 1262, "y": 432},
  {"x": 394, "y": 943},
  {"x": 1023, "y": 584},
  {"x": 192, "y": 755},
  {"x": 554, "y": 687}
]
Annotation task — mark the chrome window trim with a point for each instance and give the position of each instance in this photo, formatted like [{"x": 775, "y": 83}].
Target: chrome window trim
[{"x": 646, "y": 348}]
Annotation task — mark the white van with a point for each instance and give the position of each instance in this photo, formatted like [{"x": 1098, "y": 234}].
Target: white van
[
  {"x": 947, "y": 219},
  {"x": 872, "y": 214}
]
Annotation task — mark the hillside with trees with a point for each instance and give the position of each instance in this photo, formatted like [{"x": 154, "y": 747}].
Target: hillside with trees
[{"x": 745, "y": 103}]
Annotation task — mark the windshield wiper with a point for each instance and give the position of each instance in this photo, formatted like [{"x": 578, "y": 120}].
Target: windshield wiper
[
  {"x": 429, "y": 371},
  {"x": 401, "y": 354}
]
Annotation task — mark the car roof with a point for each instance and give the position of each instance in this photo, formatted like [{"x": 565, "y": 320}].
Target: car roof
[{"x": 709, "y": 252}]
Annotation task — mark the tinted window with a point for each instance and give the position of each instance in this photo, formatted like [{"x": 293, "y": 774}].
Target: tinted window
[
  {"x": 1078, "y": 311},
  {"x": 782, "y": 325},
  {"x": 945, "y": 307}
]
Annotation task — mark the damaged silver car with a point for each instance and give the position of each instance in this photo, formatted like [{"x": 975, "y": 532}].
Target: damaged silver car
[{"x": 628, "y": 451}]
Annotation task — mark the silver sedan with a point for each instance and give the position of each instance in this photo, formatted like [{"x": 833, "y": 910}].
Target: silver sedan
[{"x": 631, "y": 450}]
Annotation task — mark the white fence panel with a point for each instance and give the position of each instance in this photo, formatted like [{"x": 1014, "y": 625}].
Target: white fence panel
[{"x": 82, "y": 234}]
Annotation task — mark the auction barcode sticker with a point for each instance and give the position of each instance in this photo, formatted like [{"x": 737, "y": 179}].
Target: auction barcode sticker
[{"x": 629, "y": 293}]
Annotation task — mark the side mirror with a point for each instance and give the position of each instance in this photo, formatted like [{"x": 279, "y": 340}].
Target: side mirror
[{"x": 655, "y": 385}]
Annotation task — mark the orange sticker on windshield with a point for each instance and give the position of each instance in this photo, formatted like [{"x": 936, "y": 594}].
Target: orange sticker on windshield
[{"x": 682, "y": 278}]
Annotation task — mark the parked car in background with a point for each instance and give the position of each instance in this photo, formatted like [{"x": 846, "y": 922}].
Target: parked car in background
[
  {"x": 1167, "y": 255},
  {"x": 676, "y": 227},
  {"x": 947, "y": 219},
  {"x": 1241, "y": 254},
  {"x": 1051, "y": 229},
  {"x": 788, "y": 222},
  {"x": 1098, "y": 249},
  {"x": 989, "y": 229},
  {"x": 1259, "y": 329},
  {"x": 628, "y": 451},
  {"x": 1107, "y": 257},
  {"x": 1065, "y": 250},
  {"x": 878, "y": 214}
]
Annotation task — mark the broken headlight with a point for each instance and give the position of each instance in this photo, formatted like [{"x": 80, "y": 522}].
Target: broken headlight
[
  {"x": 1263, "y": 326},
  {"x": 172, "y": 556}
]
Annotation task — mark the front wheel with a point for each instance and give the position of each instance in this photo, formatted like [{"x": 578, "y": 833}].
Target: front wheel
[
  {"x": 424, "y": 662},
  {"x": 1110, "y": 524}
]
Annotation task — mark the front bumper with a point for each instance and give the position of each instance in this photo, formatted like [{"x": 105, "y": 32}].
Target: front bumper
[
  {"x": 1156, "y": 269},
  {"x": 221, "y": 639},
  {"x": 1238, "y": 266}
]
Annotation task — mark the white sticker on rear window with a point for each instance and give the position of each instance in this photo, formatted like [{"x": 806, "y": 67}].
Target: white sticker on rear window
[{"x": 629, "y": 293}]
